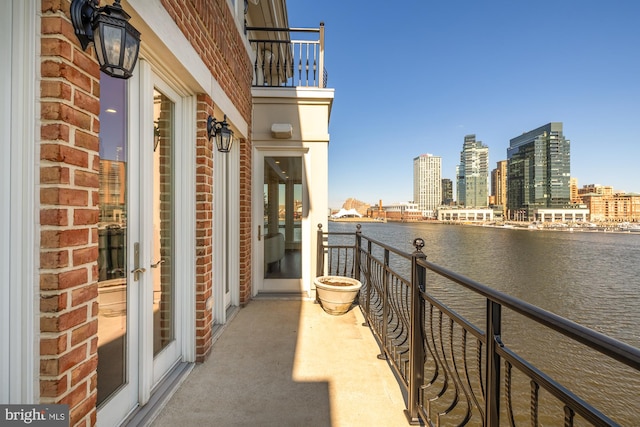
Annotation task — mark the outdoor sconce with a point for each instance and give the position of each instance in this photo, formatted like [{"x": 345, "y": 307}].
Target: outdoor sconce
[
  {"x": 117, "y": 42},
  {"x": 221, "y": 132}
]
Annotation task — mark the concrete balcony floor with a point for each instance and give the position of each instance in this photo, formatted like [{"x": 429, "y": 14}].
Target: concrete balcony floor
[{"x": 288, "y": 363}]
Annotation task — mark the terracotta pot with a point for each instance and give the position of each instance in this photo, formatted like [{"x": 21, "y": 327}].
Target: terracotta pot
[{"x": 336, "y": 293}]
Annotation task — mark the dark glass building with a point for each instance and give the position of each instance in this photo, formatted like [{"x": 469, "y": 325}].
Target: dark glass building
[{"x": 538, "y": 171}]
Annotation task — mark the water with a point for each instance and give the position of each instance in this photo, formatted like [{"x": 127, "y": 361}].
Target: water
[{"x": 591, "y": 278}]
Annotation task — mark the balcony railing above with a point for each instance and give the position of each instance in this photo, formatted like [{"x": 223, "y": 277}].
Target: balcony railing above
[{"x": 281, "y": 61}]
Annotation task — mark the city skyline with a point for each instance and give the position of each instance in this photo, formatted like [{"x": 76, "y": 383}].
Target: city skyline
[{"x": 448, "y": 69}]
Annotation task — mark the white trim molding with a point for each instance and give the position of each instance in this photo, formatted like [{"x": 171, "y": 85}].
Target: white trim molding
[{"x": 19, "y": 113}]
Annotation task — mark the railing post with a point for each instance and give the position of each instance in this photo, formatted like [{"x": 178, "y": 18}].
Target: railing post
[
  {"x": 368, "y": 286},
  {"x": 320, "y": 252},
  {"x": 493, "y": 331},
  {"x": 356, "y": 256},
  {"x": 321, "y": 57},
  {"x": 385, "y": 305},
  {"x": 416, "y": 341}
]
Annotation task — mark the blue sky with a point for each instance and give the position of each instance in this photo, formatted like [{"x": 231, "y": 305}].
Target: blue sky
[{"x": 415, "y": 77}]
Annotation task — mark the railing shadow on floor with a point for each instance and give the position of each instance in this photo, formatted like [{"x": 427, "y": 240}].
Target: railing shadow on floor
[{"x": 456, "y": 371}]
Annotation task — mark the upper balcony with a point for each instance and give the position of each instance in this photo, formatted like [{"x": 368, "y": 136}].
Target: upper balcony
[{"x": 288, "y": 57}]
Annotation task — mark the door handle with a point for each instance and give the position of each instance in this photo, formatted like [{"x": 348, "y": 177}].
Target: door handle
[
  {"x": 157, "y": 264},
  {"x": 136, "y": 262},
  {"x": 259, "y": 232}
]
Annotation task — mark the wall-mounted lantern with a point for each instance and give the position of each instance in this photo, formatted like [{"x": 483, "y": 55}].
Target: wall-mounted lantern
[
  {"x": 117, "y": 42},
  {"x": 221, "y": 132},
  {"x": 156, "y": 134}
]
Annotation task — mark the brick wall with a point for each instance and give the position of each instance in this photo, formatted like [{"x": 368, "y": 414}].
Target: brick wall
[
  {"x": 210, "y": 27},
  {"x": 69, "y": 171},
  {"x": 69, "y": 184},
  {"x": 204, "y": 228}
]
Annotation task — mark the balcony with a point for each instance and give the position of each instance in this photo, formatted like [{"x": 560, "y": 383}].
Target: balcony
[
  {"x": 286, "y": 362},
  {"x": 281, "y": 61}
]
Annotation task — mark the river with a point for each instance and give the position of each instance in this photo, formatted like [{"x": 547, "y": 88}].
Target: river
[{"x": 591, "y": 278}]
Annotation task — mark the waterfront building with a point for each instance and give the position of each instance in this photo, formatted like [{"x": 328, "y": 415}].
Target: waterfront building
[
  {"x": 538, "y": 171},
  {"x": 472, "y": 174},
  {"x": 457, "y": 213},
  {"x": 619, "y": 207},
  {"x": 579, "y": 213},
  {"x": 129, "y": 238},
  {"x": 427, "y": 183},
  {"x": 573, "y": 186},
  {"x": 406, "y": 211},
  {"x": 447, "y": 192},
  {"x": 603, "y": 190},
  {"x": 499, "y": 186}
]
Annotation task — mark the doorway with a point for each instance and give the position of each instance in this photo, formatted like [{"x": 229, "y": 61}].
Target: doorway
[
  {"x": 281, "y": 248},
  {"x": 141, "y": 308}
]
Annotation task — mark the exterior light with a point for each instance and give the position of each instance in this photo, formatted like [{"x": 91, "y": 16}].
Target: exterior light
[
  {"x": 117, "y": 42},
  {"x": 221, "y": 132},
  {"x": 156, "y": 134}
]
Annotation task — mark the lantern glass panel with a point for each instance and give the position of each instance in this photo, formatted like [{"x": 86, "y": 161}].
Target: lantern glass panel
[
  {"x": 131, "y": 47},
  {"x": 113, "y": 37}
]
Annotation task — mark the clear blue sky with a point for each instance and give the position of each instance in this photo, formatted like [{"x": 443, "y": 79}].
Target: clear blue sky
[{"x": 415, "y": 77}]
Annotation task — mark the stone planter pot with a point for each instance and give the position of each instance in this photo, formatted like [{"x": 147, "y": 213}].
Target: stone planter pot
[{"x": 336, "y": 293}]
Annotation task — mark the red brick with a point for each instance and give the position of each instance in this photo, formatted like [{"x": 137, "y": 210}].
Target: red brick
[
  {"x": 55, "y": 89},
  {"x": 86, "y": 179},
  {"x": 88, "y": 102},
  {"x": 64, "y": 238},
  {"x": 53, "y": 303},
  {"x": 86, "y": 217},
  {"x": 54, "y": 259},
  {"x": 54, "y": 131},
  {"x": 85, "y": 256},
  {"x": 56, "y": 345},
  {"x": 64, "y": 196},
  {"x": 69, "y": 279},
  {"x": 84, "y": 370},
  {"x": 75, "y": 397},
  {"x": 63, "y": 321},
  {"x": 54, "y": 217},
  {"x": 86, "y": 140},
  {"x": 54, "y": 175},
  {"x": 53, "y": 388},
  {"x": 49, "y": 367},
  {"x": 84, "y": 294}
]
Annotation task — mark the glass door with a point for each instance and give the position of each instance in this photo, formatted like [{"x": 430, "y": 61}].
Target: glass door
[
  {"x": 162, "y": 232},
  {"x": 280, "y": 229},
  {"x": 118, "y": 295},
  {"x": 138, "y": 307}
]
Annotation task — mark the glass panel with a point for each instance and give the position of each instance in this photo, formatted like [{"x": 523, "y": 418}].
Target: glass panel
[
  {"x": 282, "y": 217},
  {"x": 112, "y": 40},
  {"x": 112, "y": 238},
  {"x": 162, "y": 265}
]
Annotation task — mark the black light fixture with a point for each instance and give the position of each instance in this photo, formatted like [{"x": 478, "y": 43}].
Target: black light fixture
[
  {"x": 117, "y": 42},
  {"x": 221, "y": 132}
]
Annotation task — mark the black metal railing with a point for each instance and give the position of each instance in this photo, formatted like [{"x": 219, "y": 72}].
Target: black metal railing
[
  {"x": 282, "y": 62},
  {"x": 454, "y": 371}
]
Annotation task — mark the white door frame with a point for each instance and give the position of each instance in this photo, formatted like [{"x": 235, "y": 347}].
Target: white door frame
[
  {"x": 19, "y": 132},
  {"x": 278, "y": 285},
  {"x": 144, "y": 372},
  {"x": 226, "y": 231}
]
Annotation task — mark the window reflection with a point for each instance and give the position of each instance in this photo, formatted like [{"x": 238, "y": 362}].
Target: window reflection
[{"x": 112, "y": 238}]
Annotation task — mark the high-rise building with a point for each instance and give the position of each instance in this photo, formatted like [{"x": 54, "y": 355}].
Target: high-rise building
[
  {"x": 427, "y": 183},
  {"x": 473, "y": 173},
  {"x": 499, "y": 183},
  {"x": 538, "y": 171},
  {"x": 573, "y": 190},
  {"x": 447, "y": 192}
]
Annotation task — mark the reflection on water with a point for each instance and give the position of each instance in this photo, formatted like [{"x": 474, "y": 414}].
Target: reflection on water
[{"x": 592, "y": 278}]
